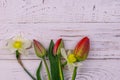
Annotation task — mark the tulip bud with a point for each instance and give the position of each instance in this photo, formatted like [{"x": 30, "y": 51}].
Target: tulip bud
[
  {"x": 57, "y": 47},
  {"x": 39, "y": 49},
  {"x": 82, "y": 48}
]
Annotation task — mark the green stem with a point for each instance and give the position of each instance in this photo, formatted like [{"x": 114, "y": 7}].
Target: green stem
[
  {"x": 60, "y": 69},
  {"x": 20, "y": 62},
  {"x": 74, "y": 73},
  {"x": 47, "y": 69},
  {"x": 29, "y": 73}
]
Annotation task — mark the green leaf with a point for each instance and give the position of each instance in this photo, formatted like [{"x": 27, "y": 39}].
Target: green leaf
[
  {"x": 60, "y": 69},
  {"x": 38, "y": 71},
  {"x": 53, "y": 62}
]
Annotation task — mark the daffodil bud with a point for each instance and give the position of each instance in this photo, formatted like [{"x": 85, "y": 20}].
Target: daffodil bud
[
  {"x": 57, "y": 47},
  {"x": 39, "y": 49},
  {"x": 82, "y": 48}
]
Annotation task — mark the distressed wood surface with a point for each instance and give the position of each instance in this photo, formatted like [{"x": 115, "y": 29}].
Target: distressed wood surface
[
  {"x": 68, "y": 19},
  {"x": 90, "y": 70},
  {"x": 37, "y": 11},
  {"x": 104, "y": 38},
  {"x": 102, "y": 60}
]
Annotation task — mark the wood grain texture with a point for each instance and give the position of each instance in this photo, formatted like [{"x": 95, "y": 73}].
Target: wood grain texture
[
  {"x": 102, "y": 63},
  {"x": 68, "y": 19},
  {"x": 104, "y": 37},
  {"x": 37, "y": 11},
  {"x": 90, "y": 70}
]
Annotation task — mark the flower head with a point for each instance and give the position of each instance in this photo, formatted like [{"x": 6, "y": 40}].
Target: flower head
[
  {"x": 57, "y": 47},
  {"x": 82, "y": 48},
  {"x": 18, "y": 43},
  {"x": 70, "y": 58},
  {"x": 39, "y": 49},
  {"x": 79, "y": 54}
]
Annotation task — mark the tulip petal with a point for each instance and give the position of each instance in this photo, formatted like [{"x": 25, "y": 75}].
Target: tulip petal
[
  {"x": 57, "y": 47},
  {"x": 39, "y": 49},
  {"x": 82, "y": 48}
]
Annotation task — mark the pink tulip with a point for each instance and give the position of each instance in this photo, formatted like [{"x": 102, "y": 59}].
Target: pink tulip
[{"x": 39, "y": 49}]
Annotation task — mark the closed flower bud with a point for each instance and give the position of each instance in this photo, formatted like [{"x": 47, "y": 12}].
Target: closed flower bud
[
  {"x": 57, "y": 47},
  {"x": 39, "y": 49},
  {"x": 82, "y": 48}
]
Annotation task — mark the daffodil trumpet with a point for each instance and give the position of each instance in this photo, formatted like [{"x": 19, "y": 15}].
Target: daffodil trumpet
[
  {"x": 70, "y": 58},
  {"x": 41, "y": 52}
]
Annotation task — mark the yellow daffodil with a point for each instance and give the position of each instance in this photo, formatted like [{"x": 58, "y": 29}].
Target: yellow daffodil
[
  {"x": 70, "y": 58},
  {"x": 18, "y": 43}
]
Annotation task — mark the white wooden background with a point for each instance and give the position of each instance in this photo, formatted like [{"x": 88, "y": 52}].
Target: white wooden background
[{"x": 71, "y": 20}]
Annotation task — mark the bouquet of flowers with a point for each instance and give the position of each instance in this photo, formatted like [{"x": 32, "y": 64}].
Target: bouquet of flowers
[{"x": 54, "y": 55}]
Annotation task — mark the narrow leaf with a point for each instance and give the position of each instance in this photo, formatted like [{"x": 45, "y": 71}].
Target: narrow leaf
[
  {"x": 53, "y": 62},
  {"x": 38, "y": 71}
]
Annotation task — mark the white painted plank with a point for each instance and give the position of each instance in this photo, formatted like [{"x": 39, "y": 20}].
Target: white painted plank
[
  {"x": 104, "y": 37},
  {"x": 35, "y": 11},
  {"x": 90, "y": 70},
  {"x": 71, "y": 20}
]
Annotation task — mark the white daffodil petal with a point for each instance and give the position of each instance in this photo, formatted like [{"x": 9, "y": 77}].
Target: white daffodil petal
[
  {"x": 70, "y": 67},
  {"x": 69, "y": 52},
  {"x": 27, "y": 44},
  {"x": 23, "y": 51},
  {"x": 12, "y": 50},
  {"x": 77, "y": 64},
  {"x": 63, "y": 53},
  {"x": 18, "y": 43},
  {"x": 19, "y": 38},
  {"x": 10, "y": 46}
]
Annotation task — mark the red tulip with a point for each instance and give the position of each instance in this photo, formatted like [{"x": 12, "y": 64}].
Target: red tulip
[
  {"x": 39, "y": 49},
  {"x": 57, "y": 47},
  {"x": 82, "y": 48}
]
